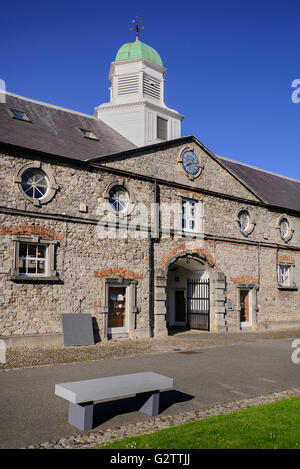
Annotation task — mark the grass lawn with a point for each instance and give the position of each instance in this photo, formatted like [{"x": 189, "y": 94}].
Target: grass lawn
[{"x": 268, "y": 426}]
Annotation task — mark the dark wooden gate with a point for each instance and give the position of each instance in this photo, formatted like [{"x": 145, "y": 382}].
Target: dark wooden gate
[{"x": 198, "y": 303}]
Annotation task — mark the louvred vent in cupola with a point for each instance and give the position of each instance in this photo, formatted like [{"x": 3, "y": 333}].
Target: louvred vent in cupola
[
  {"x": 151, "y": 87},
  {"x": 128, "y": 84}
]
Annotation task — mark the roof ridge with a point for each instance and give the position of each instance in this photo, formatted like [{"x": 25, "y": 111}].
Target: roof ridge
[
  {"x": 259, "y": 169},
  {"x": 48, "y": 105}
]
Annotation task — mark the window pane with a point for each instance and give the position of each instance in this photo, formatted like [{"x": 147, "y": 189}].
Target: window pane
[
  {"x": 41, "y": 267},
  {"x": 31, "y": 250},
  {"x": 32, "y": 259},
  {"x": 88, "y": 134},
  {"x": 162, "y": 128},
  {"x": 284, "y": 227},
  {"x": 19, "y": 115},
  {"x": 244, "y": 220},
  {"x": 22, "y": 266},
  {"x": 39, "y": 191},
  {"x": 189, "y": 214},
  {"x": 22, "y": 250},
  {"x": 28, "y": 189},
  {"x": 34, "y": 183},
  {"x": 41, "y": 251},
  {"x": 119, "y": 198},
  {"x": 31, "y": 266},
  {"x": 284, "y": 275}
]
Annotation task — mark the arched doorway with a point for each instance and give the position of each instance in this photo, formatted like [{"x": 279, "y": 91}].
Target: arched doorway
[
  {"x": 201, "y": 264},
  {"x": 188, "y": 295}
]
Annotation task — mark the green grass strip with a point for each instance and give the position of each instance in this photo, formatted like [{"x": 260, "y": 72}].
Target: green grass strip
[{"x": 269, "y": 426}]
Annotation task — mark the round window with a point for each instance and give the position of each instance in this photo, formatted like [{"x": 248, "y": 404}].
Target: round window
[
  {"x": 118, "y": 198},
  {"x": 284, "y": 227},
  {"x": 34, "y": 183},
  {"x": 243, "y": 220}
]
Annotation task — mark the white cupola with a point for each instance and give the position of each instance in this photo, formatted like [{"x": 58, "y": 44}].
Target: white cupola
[{"x": 136, "y": 109}]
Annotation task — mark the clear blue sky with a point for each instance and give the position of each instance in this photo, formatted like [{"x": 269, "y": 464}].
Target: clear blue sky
[{"x": 230, "y": 65}]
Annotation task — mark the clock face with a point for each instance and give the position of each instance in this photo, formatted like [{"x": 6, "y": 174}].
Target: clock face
[{"x": 190, "y": 162}]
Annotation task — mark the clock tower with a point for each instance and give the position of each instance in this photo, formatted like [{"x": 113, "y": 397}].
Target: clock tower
[{"x": 136, "y": 109}]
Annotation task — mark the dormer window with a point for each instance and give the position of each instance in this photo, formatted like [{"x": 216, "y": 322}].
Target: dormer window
[
  {"x": 88, "y": 134},
  {"x": 19, "y": 115}
]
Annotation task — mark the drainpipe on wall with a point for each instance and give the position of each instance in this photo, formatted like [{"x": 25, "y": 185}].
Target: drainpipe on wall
[
  {"x": 153, "y": 237},
  {"x": 151, "y": 286}
]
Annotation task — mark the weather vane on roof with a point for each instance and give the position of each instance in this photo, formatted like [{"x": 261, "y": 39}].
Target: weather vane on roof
[{"x": 137, "y": 27}]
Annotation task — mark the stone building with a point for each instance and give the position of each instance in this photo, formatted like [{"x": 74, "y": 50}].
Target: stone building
[{"x": 119, "y": 216}]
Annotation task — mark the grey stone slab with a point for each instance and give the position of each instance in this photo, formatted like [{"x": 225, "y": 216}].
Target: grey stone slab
[
  {"x": 111, "y": 387},
  {"x": 77, "y": 329},
  {"x": 81, "y": 415},
  {"x": 148, "y": 403}
]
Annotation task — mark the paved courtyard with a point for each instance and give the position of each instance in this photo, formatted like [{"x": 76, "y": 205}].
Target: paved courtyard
[{"x": 31, "y": 414}]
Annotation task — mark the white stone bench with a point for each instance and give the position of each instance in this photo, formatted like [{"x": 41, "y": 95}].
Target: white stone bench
[{"x": 82, "y": 394}]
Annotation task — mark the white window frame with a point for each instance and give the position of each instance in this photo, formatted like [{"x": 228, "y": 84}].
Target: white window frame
[
  {"x": 50, "y": 271},
  {"x": 52, "y": 186},
  {"x": 197, "y": 217},
  {"x": 116, "y": 203},
  {"x": 284, "y": 280},
  {"x": 251, "y": 224},
  {"x": 28, "y": 258},
  {"x": 131, "y": 202},
  {"x": 290, "y": 232}
]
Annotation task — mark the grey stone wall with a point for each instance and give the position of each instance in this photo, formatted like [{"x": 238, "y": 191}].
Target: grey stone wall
[
  {"x": 164, "y": 165},
  {"x": 85, "y": 263},
  {"x": 76, "y": 186}
]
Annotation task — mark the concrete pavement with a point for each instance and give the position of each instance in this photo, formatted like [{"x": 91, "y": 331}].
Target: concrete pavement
[{"x": 30, "y": 413}]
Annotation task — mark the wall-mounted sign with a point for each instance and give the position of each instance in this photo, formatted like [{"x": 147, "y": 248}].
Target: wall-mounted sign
[{"x": 229, "y": 305}]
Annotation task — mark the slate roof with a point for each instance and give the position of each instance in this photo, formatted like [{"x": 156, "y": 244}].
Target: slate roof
[
  {"x": 274, "y": 189},
  {"x": 55, "y": 131}
]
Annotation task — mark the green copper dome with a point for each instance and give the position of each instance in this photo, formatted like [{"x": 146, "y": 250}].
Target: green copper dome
[{"x": 137, "y": 50}]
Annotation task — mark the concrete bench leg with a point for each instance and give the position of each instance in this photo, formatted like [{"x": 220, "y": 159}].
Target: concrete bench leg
[
  {"x": 81, "y": 415},
  {"x": 148, "y": 402}
]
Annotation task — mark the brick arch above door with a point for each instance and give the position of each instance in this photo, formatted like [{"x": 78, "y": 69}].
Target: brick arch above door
[{"x": 185, "y": 250}]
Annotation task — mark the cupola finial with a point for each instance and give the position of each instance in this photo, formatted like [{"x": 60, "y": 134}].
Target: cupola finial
[{"x": 137, "y": 27}]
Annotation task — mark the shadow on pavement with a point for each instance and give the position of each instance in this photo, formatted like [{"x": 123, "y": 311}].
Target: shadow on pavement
[{"x": 104, "y": 411}]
